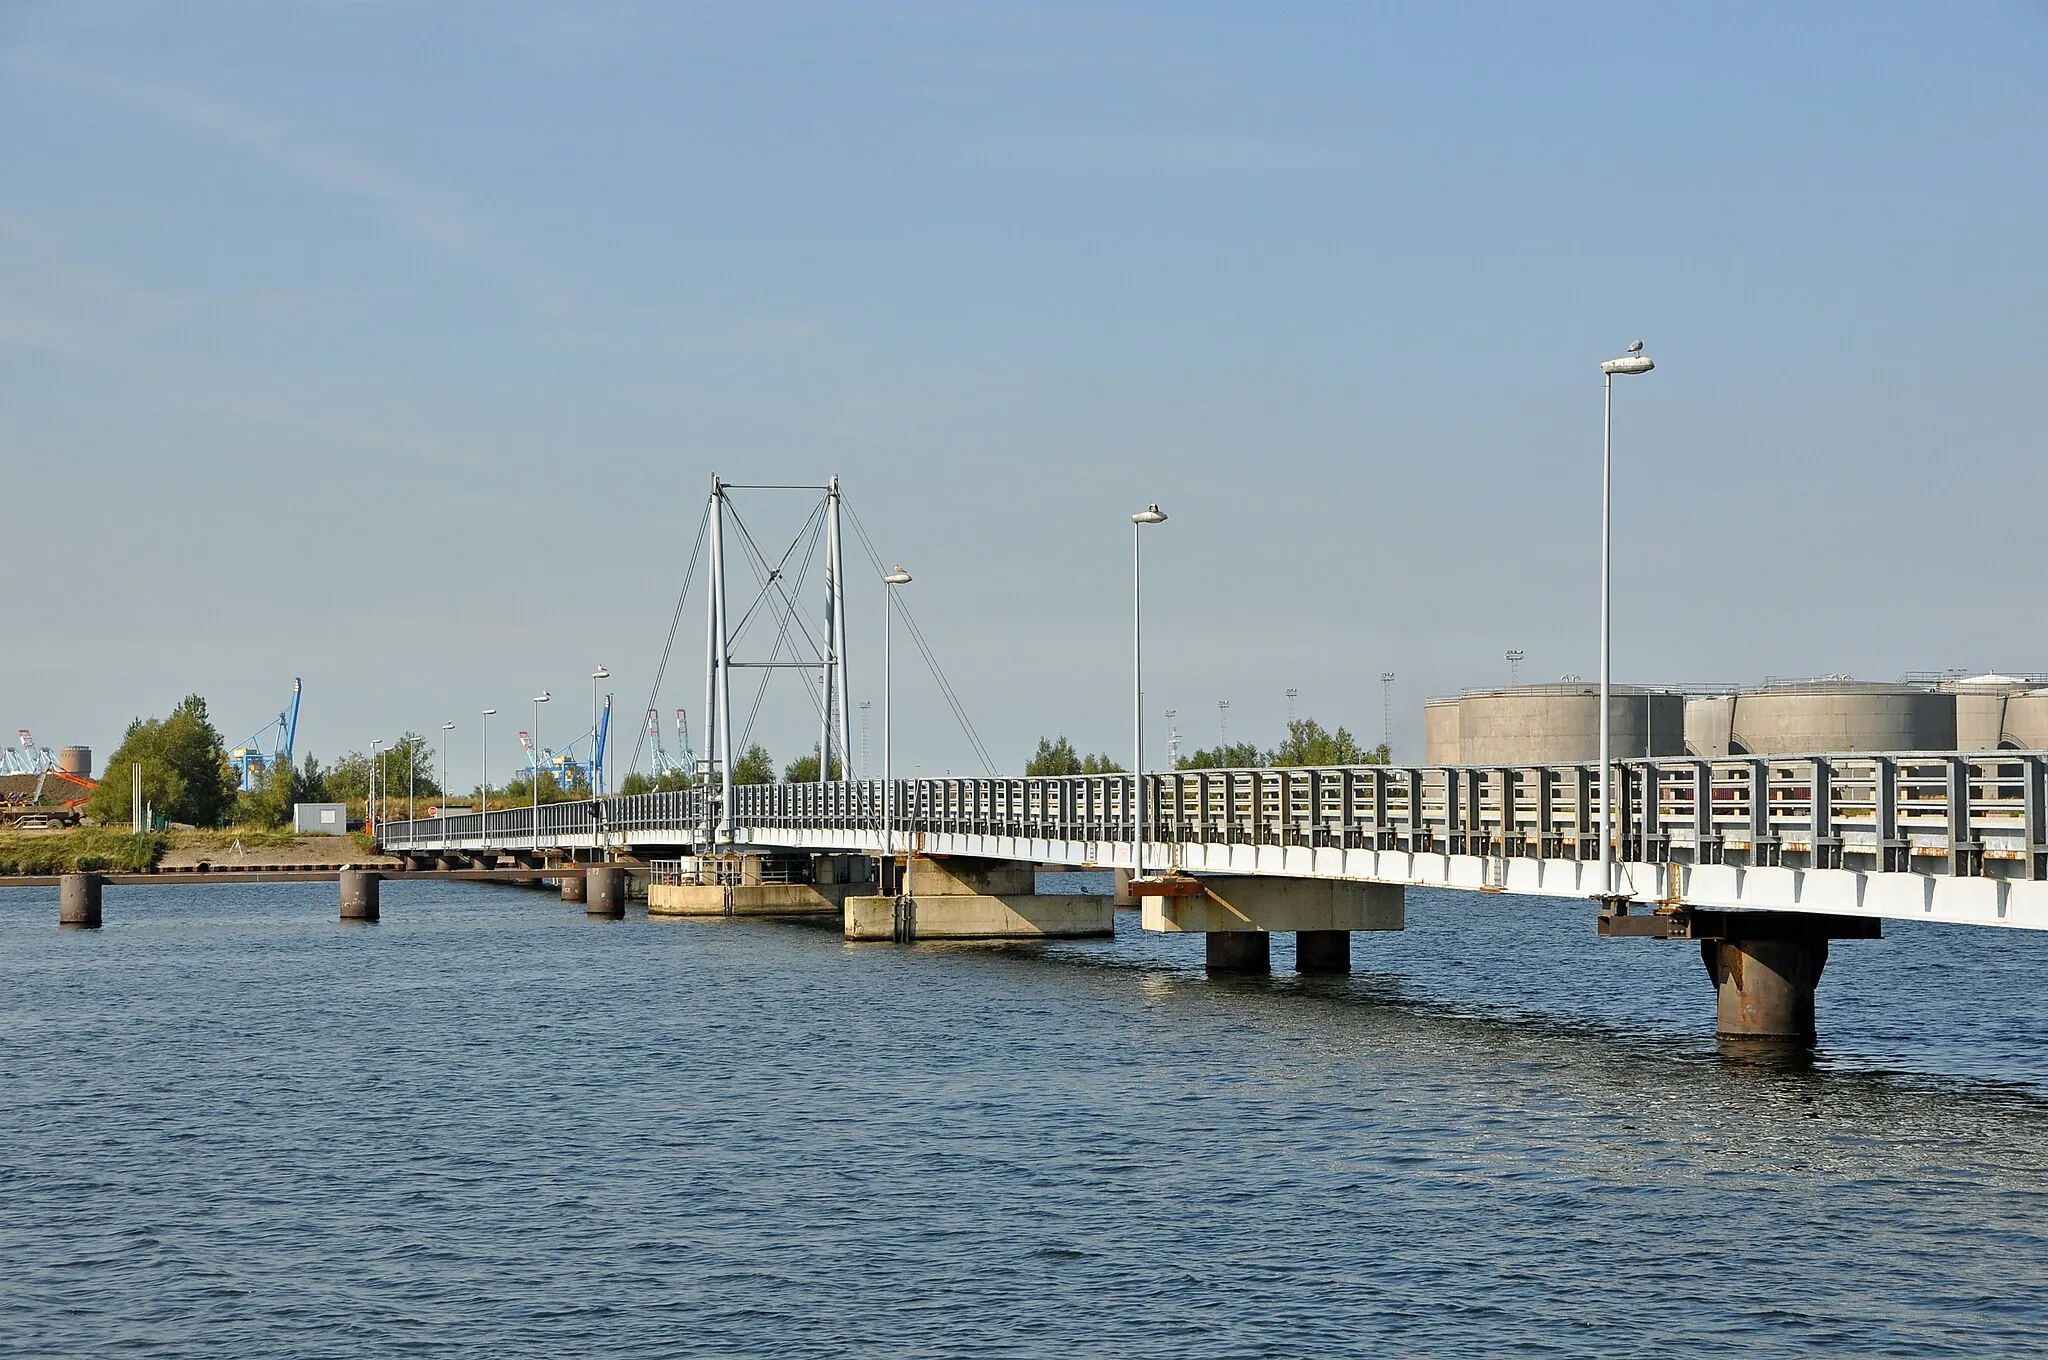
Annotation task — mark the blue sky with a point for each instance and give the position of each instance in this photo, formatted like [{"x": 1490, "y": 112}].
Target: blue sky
[{"x": 393, "y": 345}]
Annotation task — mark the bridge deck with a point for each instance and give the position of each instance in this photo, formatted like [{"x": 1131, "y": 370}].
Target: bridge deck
[{"x": 1913, "y": 835}]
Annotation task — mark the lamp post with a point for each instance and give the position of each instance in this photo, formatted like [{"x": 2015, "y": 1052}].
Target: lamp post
[
  {"x": 412, "y": 781},
  {"x": 898, "y": 577},
  {"x": 447, "y": 774},
  {"x": 483, "y": 788},
  {"x": 596, "y": 714},
  {"x": 538, "y": 751},
  {"x": 370, "y": 803},
  {"x": 1151, "y": 514},
  {"x": 1635, "y": 361}
]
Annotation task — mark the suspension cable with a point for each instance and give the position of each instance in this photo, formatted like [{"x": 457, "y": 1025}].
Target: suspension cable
[
  {"x": 675, "y": 622},
  {"x": 931, "y": 660}
]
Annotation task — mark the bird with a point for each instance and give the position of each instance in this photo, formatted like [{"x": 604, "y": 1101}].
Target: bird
[{"x": 1635, "y": 347}]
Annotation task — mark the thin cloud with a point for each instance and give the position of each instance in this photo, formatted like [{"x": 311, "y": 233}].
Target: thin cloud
[{"x": 423, "y": 211}]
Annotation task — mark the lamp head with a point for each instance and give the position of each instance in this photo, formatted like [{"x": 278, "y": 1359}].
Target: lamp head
[
  {"x": 1635, "y": 361},
  {"x": 600, "y": 673},
  {"x": 542, "y": 697},
  {"x": 898, "y": 577},
  {"x": 490, "y": 712},
  {"x": 1151, "y": 514},
  {"x": 447, "y": 727}
]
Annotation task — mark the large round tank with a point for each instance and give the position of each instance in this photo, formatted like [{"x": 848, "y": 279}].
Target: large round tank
[
  {"x": 1709, "y": 724},
  {"x": 75, "y": 760},
  {"x": 2026, "y": 721},
  {"x": 1440, "y": 732},
  {"x": 1842, "y": 715},
  {"x": 1555, "y": 724},
  {"x": 1982, "y": 702}
]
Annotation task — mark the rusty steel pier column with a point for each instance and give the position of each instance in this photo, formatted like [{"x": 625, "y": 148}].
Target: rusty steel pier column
[
  {"x": 1765, "y": 987},
  {"x": 573, "y": 881}
]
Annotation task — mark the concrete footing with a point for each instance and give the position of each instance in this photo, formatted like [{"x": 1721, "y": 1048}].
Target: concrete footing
[
  {"x": 1122, "y": 896},
  {"x": 359, "y": 893},
  {"x": 1322, "y": 951},
  {"x": 1240, "y": 951},
  {"x": 973, "y": 899},
  {"x": 605, "y": 891},
  {"x": 78, "y": 900},
  {"x": 573, "y": 886},
  {"x": 1765, "y": 988}
]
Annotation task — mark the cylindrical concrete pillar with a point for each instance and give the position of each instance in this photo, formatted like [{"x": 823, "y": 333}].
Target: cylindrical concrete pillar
[
  {"x": 1322, "y": 951},
  {"x": 78, "y": 900},
  {"x": 1240, "y": 951},
  {"x": 572, "y": 886},
  {"x": 359, "y": 892},
  {"x": 1124, "y": 896},
  {"x": 604, "y": 891},
  {"x": 1765, "y": 987}
]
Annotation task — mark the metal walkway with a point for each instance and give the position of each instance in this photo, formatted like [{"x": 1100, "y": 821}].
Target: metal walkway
[{"x": 1911, "y": 836}]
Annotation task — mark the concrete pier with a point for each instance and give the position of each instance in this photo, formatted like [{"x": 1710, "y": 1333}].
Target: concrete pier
[
  {"x": 573, "y": 882},
  {"x": 1122, "y": 897},
  {"x": 1240, "y": 951},
  {"x": 957, "y": 898},
  {"x": 1322, "y": 951},
  {"x": 1240, "y": 902},
  {"x": 831, "y": 879},
  {"x": 1765, "y": 988},
  {"x": 78, "y": 901},
  {"x": 359, "y": 894},
  {"x": 605, "y": 891}
]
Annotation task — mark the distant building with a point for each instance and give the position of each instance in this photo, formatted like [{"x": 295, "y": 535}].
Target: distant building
[{"x": 320, "y": 819}]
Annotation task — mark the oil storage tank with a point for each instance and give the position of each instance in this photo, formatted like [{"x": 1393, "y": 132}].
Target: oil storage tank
[
  {"x": 75, "y": 760},
  {"x": 1440, "y": 731},
  {"x": 1560, "y": 723},
  {"x": 1835, "y": 714}
]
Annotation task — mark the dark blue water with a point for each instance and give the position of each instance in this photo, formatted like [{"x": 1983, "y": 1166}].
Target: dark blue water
[{"x": 231, "y": 1126}]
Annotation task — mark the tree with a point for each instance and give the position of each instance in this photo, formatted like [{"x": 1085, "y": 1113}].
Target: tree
[
  {"x": 270, "y": 803},
  {"x": 1308, "y": 743},
  {"x": 804, "y": 769},
  {"x": 1059, "y": 758},
  {"x": 1238, "y": 756},
  {"x": 185, "y": 772},
  {"x": 755, "y": 767},
  {"x": 1053, "y": 758}
]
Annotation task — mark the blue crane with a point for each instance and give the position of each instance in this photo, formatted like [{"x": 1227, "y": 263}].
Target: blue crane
[{"x": 251, "y": 759}]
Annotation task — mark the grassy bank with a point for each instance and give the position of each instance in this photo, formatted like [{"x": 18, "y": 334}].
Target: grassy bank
[{"x": 87, "y": 847}]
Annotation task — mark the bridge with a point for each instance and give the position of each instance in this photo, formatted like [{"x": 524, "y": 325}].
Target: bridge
[{"x": 1760, "y": 859}]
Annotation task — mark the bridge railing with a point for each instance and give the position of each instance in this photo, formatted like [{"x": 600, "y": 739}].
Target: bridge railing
[{"x": 1887, "y": 810}]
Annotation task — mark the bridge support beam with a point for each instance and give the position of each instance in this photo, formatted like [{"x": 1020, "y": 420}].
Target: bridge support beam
[
  {"x": 1765, "y": 965},
  {"x": 574, "y": 885},
  {"x": 359, "y": 894},
  {"x": 976, "y": 899},
  {"x": 78, "y": 901},
  {"x": 1234, "y": 909}
]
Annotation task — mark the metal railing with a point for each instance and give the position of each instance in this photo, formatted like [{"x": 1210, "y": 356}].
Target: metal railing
[{"x": 1930, "y": 812}]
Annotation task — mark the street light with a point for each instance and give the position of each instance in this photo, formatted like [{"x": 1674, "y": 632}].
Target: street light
[
  {"x": 412, "y": 781},
  {"x": 538, "y": 751},
  {"x": 483, "y": 788},
  {"x": 370, "y": 803},
  {"x": 898, "y": 577},
  {"x": 596, "y": 713},
  {"x": 447, "y": 774},
  {"x": 1151, "y": 514},
  {"x": 1635, "y": 361}
]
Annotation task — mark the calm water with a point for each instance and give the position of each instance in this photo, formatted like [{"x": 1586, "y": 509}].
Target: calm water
[{"x": 487, "y": 1126}]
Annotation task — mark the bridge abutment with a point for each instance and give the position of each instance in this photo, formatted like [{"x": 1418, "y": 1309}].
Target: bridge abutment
[{"x": 958, "y": 898}]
